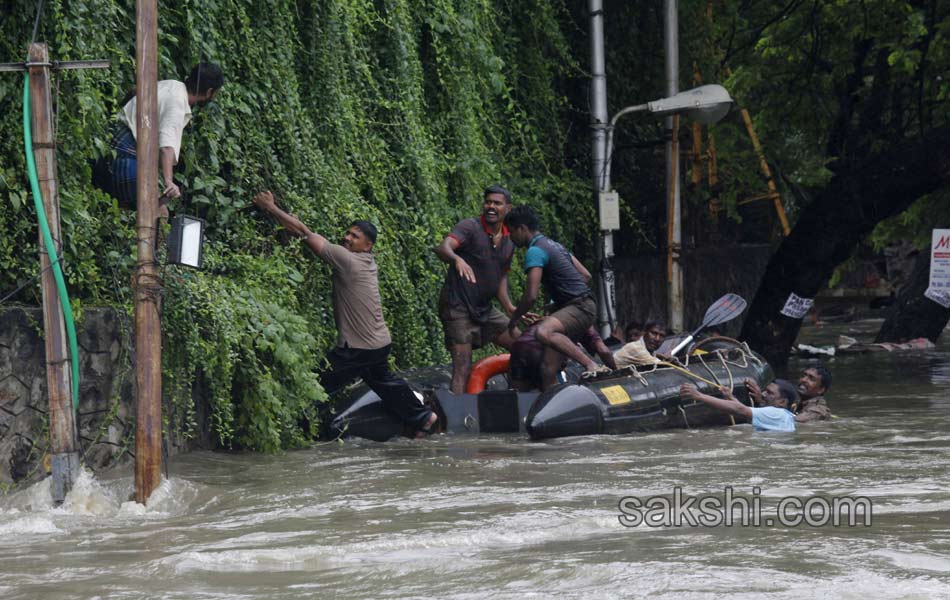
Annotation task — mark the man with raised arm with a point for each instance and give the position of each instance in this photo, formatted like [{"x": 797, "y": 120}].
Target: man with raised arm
[
  {"x": 479, "y": 254},
  {"x": 363, "y": 342}
]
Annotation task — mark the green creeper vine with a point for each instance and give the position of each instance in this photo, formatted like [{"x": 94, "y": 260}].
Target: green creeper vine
[{"x": 397, "y": 111}]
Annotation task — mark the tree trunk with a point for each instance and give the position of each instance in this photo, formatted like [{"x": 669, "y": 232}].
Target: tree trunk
[
  {"x": 913, "y": 315},
  {"x": 829, "y": 229}
]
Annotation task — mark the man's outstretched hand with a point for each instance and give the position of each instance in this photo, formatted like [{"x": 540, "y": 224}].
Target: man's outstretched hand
[
  {"x": 688, "y": 390},
  {"x": 265, "y": 200}
]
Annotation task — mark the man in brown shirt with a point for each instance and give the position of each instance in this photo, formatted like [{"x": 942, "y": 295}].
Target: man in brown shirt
[
  {"x": 814, "y": 383},
  {"x": 363, "y": 341}
]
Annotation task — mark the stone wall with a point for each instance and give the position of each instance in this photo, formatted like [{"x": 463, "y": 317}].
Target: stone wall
[{"x": 106, "y": 419}]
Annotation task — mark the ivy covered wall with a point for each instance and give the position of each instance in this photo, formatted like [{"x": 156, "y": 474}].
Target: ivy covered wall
[{"x": 399, "y": 111}]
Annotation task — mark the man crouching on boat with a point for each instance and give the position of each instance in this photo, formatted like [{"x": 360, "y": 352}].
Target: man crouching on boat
[
  {"x": 363, "y": 341},
  {"x": 565, "y": 280},
  {"x": 774, "y": 416}
]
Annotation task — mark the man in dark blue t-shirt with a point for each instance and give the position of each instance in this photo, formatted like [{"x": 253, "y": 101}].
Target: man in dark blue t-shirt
[{"x": 565, "y": 281}]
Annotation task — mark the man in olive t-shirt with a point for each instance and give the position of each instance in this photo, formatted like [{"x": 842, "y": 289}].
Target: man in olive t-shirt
[{"x": 363, "y": 341}]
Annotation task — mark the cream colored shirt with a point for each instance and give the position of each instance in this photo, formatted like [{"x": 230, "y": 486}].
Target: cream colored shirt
[
  {"x": 174, "y": 112},
  {"x": 634, "y": 353}
]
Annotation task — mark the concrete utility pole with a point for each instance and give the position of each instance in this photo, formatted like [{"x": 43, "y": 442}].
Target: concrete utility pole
[
  {"x": 147, "y": 284},
  {"x": 675, "y": 231},
  {"x": 64, "y": 448}
]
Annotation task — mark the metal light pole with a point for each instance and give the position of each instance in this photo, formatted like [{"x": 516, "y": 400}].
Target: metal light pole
[
  {"x": 674, "y": 213},
  {"x": 608, "y": 209},
  {"x": 707, "y": 104}
]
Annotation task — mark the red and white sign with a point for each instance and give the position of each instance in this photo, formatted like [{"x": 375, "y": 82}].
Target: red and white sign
[{"x": 939, "y": 289}]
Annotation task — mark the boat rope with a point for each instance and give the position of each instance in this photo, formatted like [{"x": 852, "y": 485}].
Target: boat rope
[
  {"x": 685, "y": 420},
  {"x": 725, "y": 365},
  {"x": 742, "y": 365},
  {"x": 750, "y": 354},
  {"x": 691, "y": 374},
  {"x": 711, "y": 372},
  {"x": 633, "y": 372}
]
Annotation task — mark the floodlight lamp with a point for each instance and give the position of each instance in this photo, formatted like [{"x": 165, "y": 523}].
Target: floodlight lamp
[{"x": 185, "y": 241}]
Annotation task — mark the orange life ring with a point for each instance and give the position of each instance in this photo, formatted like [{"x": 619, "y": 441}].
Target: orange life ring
[{"x": 484, "y": 370}]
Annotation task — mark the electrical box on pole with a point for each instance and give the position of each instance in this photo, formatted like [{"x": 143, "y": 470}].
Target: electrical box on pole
[{"x": 609, "y": 211}]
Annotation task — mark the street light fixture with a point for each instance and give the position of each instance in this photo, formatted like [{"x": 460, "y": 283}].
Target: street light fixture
[{"x": 706, "y": 104}]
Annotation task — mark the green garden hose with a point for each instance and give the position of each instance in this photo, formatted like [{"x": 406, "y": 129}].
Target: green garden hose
[{"x": 48, "y": 241}]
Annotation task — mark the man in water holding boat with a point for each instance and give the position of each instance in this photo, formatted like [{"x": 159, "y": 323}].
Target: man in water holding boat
[
  {"x": 363, "y": 341},
  {"x": 812, "y": 387},
  {"x": 774, "y": 416},
  {"x": 565, "y": 281}
]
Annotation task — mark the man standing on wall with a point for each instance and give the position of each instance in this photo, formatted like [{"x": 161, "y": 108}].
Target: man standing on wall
[
  {"x": 363, "y": 341},
  {"x": 479, "y": 252}
]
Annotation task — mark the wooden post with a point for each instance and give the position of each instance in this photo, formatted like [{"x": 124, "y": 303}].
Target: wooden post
[
  {"x": 764, "y": 165},
  {"x": 147, "y": 284},
  {"x": 62, "y": 417}
]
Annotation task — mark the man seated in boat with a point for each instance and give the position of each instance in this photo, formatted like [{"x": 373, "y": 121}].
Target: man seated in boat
[
  {"x": 812, "y": 387},
  {"x": 565, "y": 281},
  {"x": 624, "y": 335},
  {"x": 641, "y": 352},
  {"x": 774, "y": 416},
  {"x": 527, "y": 354},
  {"x": 633, "y": 331}
]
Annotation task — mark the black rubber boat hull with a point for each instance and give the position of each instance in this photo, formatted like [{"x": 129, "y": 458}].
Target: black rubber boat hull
[
  {"x": 618, "y": 404},
  {"x": 646, "y": 402}
]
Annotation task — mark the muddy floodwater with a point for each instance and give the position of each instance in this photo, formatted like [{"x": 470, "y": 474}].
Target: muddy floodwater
[{"x": 504, "y": 517}]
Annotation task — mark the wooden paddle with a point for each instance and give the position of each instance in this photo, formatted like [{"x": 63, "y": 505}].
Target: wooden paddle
[{"x": 725, "y": 309}]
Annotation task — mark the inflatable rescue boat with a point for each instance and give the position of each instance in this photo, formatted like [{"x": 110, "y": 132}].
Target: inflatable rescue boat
[{"x": 623, "y": 401}]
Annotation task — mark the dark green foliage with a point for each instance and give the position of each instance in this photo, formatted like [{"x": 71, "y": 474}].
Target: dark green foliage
[{"x": 397, "y": 111}]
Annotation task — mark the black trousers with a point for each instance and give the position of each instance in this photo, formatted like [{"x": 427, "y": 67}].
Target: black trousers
[{"x": 347, "y": 364}]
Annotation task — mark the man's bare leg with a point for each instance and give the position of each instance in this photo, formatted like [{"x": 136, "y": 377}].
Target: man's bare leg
[
  {"x": 551, "y": 334},
  {"x": 551, "y": 363},
  {"x": 506, "y": 339},
  {"x": 461, "y": 366}
]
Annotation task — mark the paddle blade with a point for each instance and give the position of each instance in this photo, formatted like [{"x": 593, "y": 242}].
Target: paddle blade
[{"x": 725, "y": 309}]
